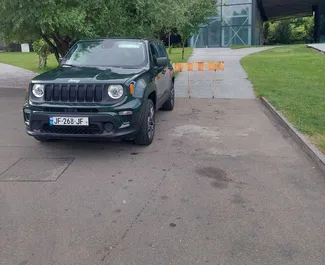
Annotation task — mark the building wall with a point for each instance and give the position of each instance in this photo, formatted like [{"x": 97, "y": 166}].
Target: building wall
[{"x": 233, "y": 25}]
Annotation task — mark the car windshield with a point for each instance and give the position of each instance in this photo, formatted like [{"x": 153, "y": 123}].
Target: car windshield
[{"x": 114, "y": 53}]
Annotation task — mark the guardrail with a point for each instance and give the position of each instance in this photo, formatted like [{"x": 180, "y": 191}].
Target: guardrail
[{"x": 200, "y": 67}]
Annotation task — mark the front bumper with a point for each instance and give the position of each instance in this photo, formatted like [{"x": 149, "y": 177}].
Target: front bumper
[{"x": 102, "y": 125}]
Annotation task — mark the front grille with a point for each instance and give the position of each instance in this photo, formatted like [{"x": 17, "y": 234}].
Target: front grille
[
  {"x": 81, "y": 110},
  {"x": 91, "y": 129},
  {"x": 73, "y": 93}
]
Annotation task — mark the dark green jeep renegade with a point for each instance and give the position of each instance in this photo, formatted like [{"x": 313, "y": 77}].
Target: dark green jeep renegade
[{"x": 107, "y": 88}]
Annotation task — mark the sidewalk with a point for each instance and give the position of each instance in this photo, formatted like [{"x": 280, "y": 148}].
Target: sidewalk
[
  {"x": 14, "y": 77},
  {"x": 230, "y": 83}
]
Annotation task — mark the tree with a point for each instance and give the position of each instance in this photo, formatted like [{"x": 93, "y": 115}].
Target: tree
[
  {"x": 62, "y": 22},
  {"x": 190, "y": 15},
  {"x": 43, "y": 51},
  {"x": 283, "y": 32}
]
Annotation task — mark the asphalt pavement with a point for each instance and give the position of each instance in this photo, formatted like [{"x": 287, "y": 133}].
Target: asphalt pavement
[
  {"x": 221, "y": 184},
  {"x": 231, "y": 83}
]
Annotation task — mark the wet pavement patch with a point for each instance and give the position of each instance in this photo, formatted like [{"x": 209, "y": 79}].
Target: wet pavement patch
[
  {"x": 36, "y": 169},
  {"x": 219, "y": 185},
  {"x": 213, "y": 173},
  {"x": 218, "y": 175}
]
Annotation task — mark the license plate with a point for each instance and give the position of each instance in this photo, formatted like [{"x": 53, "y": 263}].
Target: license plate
[{"x": 69, "y": 121}]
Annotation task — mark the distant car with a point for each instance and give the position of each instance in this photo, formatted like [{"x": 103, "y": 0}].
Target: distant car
[{"x": 103, "y": 88}]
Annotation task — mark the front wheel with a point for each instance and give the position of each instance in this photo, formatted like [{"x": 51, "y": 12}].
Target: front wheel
[
  {"x": 147, "y": 130},
  {"x": 169, "y": 104}
]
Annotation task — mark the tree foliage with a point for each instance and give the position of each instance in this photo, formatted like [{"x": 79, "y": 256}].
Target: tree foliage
[
  {"x": 43, "y": 51},
  {"x": 190, "y": 16},
  {"x": 289, "y": 31},
  {"x": 62, "y": 22}
]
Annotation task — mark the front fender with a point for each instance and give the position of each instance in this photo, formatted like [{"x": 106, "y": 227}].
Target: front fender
[{"x": 144, "y": 86}]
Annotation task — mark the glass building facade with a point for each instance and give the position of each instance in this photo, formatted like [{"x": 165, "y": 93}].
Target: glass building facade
[{"x": 234, "y": 24}]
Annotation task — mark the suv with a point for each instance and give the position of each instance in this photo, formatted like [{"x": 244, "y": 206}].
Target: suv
[{"x": 103, "y": 88}]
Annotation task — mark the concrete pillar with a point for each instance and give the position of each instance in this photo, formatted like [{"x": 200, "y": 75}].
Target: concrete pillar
[{"x": 317, "y": 19}]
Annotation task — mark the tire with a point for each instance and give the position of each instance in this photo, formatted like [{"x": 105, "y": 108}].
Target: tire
[
  {"x": 170, "y": 103},
  {"x": 147, "y": 129}
]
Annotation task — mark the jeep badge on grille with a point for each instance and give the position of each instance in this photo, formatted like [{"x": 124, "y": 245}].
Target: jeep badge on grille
[{"x": 73, "y": 81}]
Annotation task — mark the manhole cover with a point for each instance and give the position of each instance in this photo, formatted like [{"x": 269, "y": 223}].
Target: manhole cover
[{"x": 36, "y": 169}]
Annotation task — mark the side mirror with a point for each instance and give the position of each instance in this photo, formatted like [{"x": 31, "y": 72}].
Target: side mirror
[
  {"x": 61, "y": 61},
  {"x": 162, "y": 61}
]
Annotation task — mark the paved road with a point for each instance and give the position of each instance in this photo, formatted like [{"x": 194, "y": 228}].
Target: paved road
[
  {"x": 230, "y": 83},
  {"x": 14, "y": 77},
  {"x": 221, "y": 184}
]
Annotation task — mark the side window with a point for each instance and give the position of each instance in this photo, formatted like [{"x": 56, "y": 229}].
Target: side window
[
  {"x": 162, "y": 50},
  {"x": 154, "y": 53}
]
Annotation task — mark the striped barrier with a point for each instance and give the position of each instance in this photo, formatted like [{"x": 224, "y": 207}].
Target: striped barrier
[{"x": 200, "y": 67}]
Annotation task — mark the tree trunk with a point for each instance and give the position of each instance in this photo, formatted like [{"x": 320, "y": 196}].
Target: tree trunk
[
  {"x": 183, "y": 49},
  {"x": 62, "y": 44},
  {"x": 39, "y": 62},
  {"x": 53, "y": 47},
  {"x": 169, "y": 38}
]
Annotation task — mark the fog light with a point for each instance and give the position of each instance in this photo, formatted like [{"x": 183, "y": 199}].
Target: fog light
[
  {"x": 27, "y": 116},
  {"x": 108, "y": 127}
]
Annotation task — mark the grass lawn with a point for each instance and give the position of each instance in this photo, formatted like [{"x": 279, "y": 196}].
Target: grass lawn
[
  {"x": 292, "y": 78},
  {"x": 29, "y": 60},
  {"x": 176, "y": 55}
]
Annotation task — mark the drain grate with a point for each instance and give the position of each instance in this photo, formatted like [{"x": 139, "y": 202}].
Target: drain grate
[{"x": 36, "y": 169}]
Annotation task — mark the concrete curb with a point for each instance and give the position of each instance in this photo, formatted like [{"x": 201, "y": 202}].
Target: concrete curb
[
  {"x": 309, "y": 148},
  {"x": 315, "y": 49}
]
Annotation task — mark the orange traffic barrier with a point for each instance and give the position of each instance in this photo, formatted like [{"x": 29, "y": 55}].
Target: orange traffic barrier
[
  {"x": 190, "y": 67},
  {"x": 199, "y": 66}
]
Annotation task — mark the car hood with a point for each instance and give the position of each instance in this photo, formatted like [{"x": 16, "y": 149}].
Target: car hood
[{"x": 88, "y": 75}]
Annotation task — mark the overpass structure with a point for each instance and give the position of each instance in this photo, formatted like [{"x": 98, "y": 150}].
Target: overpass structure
[{"x": 240, "y": 22}]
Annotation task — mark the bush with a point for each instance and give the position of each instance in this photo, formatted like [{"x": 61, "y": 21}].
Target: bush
[
  {"x": 290, "y": 31},
  {"x": 266, "y": 32},
  {"x": 283, "y": 32},
  {"x": 43, "y": 51}
]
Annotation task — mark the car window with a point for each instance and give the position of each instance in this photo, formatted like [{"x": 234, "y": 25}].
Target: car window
[
  {"x": 154, "y": 53},
  {"x": 161, "y": 50}
]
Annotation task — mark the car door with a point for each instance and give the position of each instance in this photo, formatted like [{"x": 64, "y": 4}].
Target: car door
[
  {"x": 158, "y": 73},
  {"x": 167, "y": 77}
]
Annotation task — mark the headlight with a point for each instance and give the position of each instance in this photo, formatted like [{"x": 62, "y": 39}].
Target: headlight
[
  {"x": 38, "y": 90},
  {"x": 115, "y": 91}
]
